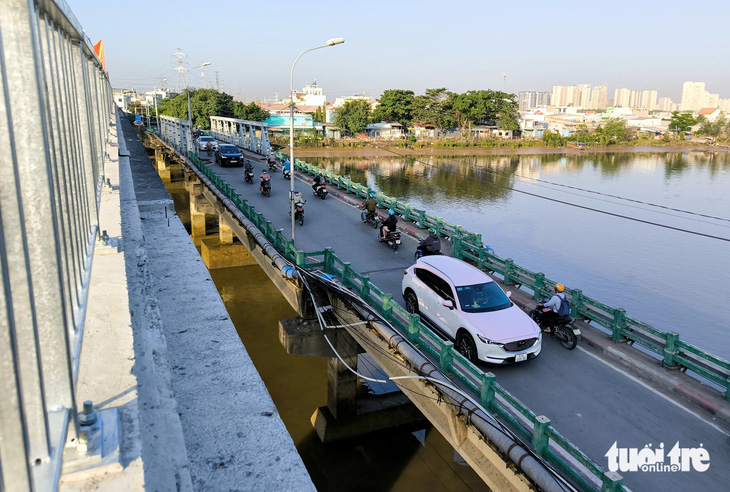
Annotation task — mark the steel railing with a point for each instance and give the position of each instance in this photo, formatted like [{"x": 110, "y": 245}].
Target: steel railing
[
  {"x": 55, "y": 117},
  {"x": 468, "y": 246},
  {"x": 537, "y": 431}
]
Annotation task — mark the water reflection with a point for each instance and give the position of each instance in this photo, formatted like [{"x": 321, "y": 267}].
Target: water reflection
[{"x": 589, "y": 221}]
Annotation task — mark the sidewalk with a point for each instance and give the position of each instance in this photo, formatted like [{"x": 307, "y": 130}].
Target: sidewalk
[{"x": 194, "y": 413}]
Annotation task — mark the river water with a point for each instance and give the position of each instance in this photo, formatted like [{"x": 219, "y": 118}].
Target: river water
[
  {"x": 550, "y": 214},
  {"x": 675, "y": 281}
]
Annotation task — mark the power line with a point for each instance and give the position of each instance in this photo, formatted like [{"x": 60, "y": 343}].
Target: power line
[{"x": 591, "y": 209}]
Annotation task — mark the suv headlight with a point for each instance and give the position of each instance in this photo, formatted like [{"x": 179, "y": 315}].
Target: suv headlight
[{"x": 487, "y": 340}]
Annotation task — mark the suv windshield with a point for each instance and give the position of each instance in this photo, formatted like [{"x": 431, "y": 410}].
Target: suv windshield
[
  {"x": 206, "y": 139},
  {"x": 481, "y": 298},
  {"x": 229, "y": 149}
]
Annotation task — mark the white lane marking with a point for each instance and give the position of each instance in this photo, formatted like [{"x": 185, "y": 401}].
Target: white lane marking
[{"x": 656, "y": 392}]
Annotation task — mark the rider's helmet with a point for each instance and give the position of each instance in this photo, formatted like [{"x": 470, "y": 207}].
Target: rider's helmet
[
  {"x": 559, "y": 287},
  {"x": 391, "y": 212},
  {"x": 431, "y": 230},
  {"x": 372, "y": 195}
]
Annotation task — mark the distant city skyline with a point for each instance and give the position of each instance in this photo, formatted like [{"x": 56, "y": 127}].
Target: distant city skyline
[{"x": 414, "y": 45}]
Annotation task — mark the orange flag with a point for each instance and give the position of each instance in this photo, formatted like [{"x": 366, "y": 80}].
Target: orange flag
[{"x": 99, "y": 50}]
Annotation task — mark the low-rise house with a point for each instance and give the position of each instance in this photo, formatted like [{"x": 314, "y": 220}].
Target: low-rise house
[
  {"x": 425, "y": 131},
  {"x": 710, "y": 113},
  {"x": 385, "y": 130},
  {"x": 490, "y": 131}
]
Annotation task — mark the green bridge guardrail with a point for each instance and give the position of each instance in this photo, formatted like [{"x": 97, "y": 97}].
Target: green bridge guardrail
[
  {"x": 546, "y": 441},
  {"x": 468, "y": 246}
]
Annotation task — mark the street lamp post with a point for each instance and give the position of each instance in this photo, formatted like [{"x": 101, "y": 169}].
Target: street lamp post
[
  {"x": 330, "y": 42},
  {"x": 187, "y": 89}
]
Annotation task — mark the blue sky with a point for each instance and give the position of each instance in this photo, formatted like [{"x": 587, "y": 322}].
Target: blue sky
[{"x": 415, "y": 45}]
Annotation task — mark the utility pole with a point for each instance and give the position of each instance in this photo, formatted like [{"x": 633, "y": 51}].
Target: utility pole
[
  {"x": 217, "y": 84},
  {"x": 157, "y": 116},
  {"x": 180, "y": 68}
]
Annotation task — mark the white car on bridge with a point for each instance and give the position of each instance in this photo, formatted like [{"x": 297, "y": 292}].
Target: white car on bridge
[
  {"x": 203, "y": 142},
  {"x": 467, "y": 306}
]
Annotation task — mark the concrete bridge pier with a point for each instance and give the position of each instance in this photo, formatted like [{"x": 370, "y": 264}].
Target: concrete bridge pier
[
  {"x": 219, "y": 251},
  {"x": 199, "y": 207},
  {"x": 162, "y": 165},
  {"x": 346, "y": 414}
]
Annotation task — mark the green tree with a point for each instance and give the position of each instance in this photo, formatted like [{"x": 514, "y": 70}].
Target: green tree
[
  {"x": 612, "y": 131},
  {"x": 433, "y": 108},
  {"x": 395, "y": 105},
  {"x": 249, "y": 112},
  {"x": 484, "y": 106},
  {"x": 681, "y": 122},
  {"x": 204, "y": 103},
  {"x": 553, "y": 139},
  {"x": 353, "y": 117}
]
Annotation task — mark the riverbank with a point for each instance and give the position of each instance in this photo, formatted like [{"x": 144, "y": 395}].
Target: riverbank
[{"x": 380, "y": 150}]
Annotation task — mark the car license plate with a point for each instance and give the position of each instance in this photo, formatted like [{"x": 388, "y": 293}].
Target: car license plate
[
  {"x": 576, "y": 331},
  {"x": 397, "y": 241},
  {"x": 520, "y": 357}
]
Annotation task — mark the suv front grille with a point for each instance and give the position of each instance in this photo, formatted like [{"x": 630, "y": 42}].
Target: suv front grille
[{"x": 520, "y": 345}]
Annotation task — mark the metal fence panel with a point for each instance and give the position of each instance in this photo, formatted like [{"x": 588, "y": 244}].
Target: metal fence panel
[{"x": 54, "y": 113}]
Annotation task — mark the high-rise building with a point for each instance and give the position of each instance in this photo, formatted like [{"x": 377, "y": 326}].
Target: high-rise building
[
  {"x": 599, "y": 97},
  {"x": 559, "y": 95},
  {"x": 693, "y": 96},
  {"x": 621, "y": 98},
  {"x": 724, "y": 105},
  {"x": 665, "y": 104},
  {"x": 583, "y": 93},
  {"x": 648, "y": 100},
  {"x": 532, "y": 99}
]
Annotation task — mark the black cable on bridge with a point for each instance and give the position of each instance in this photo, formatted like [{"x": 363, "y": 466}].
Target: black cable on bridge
[
  {"x": 591, "y": 209},
  {"x": 493, "y": 422}
]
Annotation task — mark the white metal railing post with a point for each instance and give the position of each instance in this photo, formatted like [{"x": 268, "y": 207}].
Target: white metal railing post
[{"x": 54, "y": 112}]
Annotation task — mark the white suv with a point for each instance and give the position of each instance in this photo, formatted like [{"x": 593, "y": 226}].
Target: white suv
[{"x": 469, "y": 307}]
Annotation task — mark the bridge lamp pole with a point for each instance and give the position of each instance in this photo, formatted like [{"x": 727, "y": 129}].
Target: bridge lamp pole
[
  {"x": 329, "y": 43},
  {"x": 187, "y": 89}
]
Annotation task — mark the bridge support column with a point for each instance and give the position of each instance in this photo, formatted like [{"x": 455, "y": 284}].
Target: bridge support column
[
  {"x": 162, "y": 165},
  {"x": 199, "y": 207},
  {"x": 225, "y": 233},
  {"x": 221, "y": 252},
  {"x": 346, "y": 415}
]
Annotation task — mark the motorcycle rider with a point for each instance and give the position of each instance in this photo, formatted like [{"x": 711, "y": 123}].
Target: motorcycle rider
[
  {"x": 318, "y": 181},
  {"x": 430, "y": 245},
  {"x": 369, "y": 207},
  {"x": 247, "y": 169},
  {"x": 287, "y": 167},
  {"x": 548, "y": 318},
  {"x": 209, "y": 147},
  {"x": 389, "y": 224},
  {"x": 264, "y": 177}
]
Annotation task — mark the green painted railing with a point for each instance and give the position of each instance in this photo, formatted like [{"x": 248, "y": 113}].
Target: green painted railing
[
  {"x": 546, "y": 441},
  {"x": 468, "y": 246}
]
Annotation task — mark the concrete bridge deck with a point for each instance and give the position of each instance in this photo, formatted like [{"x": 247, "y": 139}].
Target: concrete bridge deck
[
  {"x": 599, "y": 394},
  {"x": 194, "y": 413}
]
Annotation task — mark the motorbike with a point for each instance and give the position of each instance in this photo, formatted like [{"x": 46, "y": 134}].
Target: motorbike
[
  {"x": 372, "y": 219},
  {"x": 298, "y": 208},
  {"x": 266, "y": 187},
  {"x": 209, "y": 149},
  {"x": 392, "y": 239},
  {"x": 248, "y": 176},
  {"x": 421, "y": 253},
  {"x": 321, "y": 191},
  {"x": 564, "y": 330},
  {"x": 286, "y": 173},
  {"x": 272, "y": 165}
]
